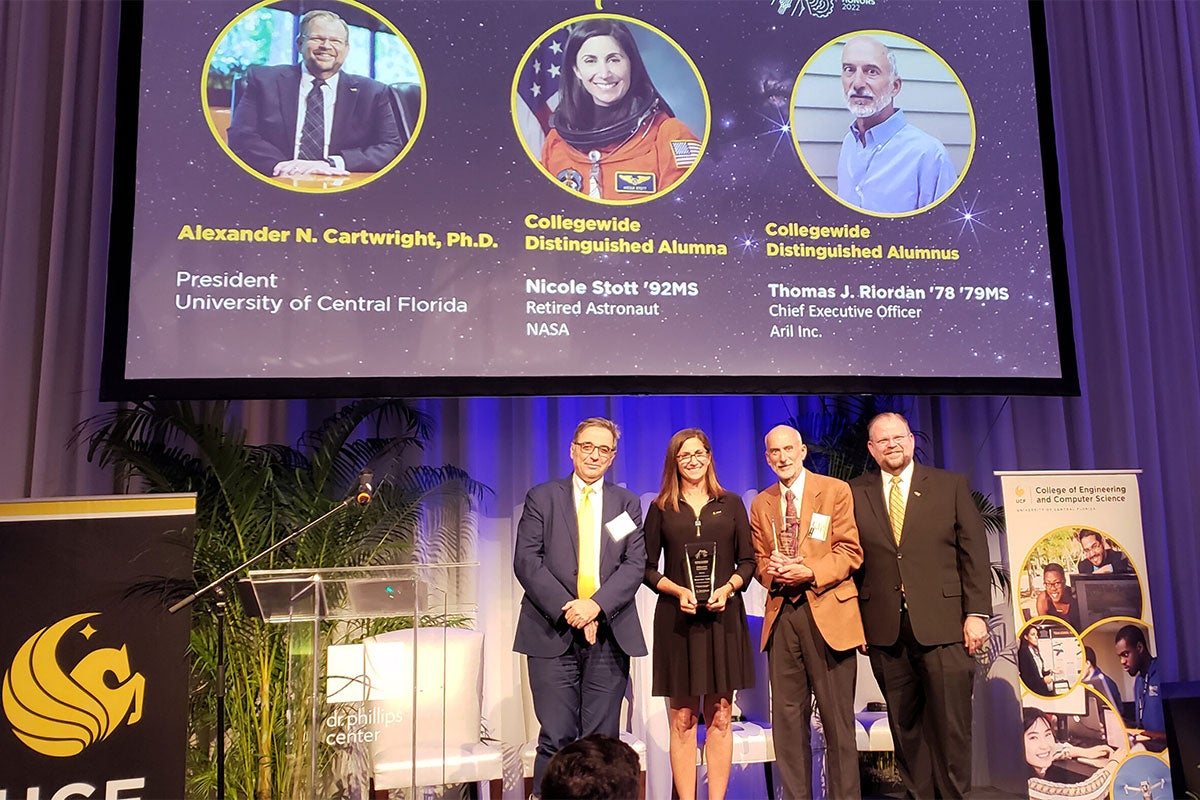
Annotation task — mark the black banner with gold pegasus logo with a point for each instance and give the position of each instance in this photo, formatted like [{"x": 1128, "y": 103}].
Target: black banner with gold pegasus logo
[{"x": 93, "y": 699}]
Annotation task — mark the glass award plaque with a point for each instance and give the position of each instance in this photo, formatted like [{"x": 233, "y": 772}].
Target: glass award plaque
[{"x": 701, "y": 559}]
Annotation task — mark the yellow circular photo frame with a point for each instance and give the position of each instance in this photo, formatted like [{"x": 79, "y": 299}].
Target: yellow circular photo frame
[
  {"x": 1059, "y": 632},
  {"x": 823, "y": 137},
  {"x": 219, "y": 119},
  {"x": 1061, "y": 546},
  {"x": 515, "y": 103}
]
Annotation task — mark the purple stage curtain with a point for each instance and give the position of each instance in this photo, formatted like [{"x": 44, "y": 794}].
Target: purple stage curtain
[
  {"x": 1128, "y": 140},
  {"x": 57, "y": 106}
]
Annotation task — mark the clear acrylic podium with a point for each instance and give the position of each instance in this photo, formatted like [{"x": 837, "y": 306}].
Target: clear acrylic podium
[{"x": 389, "y": 696}]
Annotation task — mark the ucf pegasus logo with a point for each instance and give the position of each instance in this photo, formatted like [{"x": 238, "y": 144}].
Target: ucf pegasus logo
[{"x": 60, "y": 713}]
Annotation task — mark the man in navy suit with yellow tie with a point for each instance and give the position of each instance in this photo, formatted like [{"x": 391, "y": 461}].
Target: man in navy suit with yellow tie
[
  {"x": 925, "y": 594},
  {"x": 580, "y": 557},
  {"x": 311, "y": 118}
]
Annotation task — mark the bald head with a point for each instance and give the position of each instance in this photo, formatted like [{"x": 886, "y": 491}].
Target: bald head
[{"x": 785, "y": 453}]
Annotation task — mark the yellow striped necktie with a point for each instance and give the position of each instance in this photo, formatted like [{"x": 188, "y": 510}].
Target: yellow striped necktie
[
  {"x": 588, "y": 581},
  {"x": 896, "y": 509}
]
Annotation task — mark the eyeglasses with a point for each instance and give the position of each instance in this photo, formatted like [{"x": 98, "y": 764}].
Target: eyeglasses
[
  {"x": 327, "y": 40},
  {"x": 1052, "y": 584},
  {"x": 900, "y": 440},
  {"x": 587, "y": 448},
  {"x": 699, "y": 455}
]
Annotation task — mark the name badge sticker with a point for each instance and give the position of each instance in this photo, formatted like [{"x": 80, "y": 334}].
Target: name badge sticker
[
  {"x": 818, "y": 528},
  {"x": 620, "y": 527}
]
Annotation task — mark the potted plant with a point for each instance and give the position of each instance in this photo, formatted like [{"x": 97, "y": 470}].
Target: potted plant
[{"x": 251, "y": 496}]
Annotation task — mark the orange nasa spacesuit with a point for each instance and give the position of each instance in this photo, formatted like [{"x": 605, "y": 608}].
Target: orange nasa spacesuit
[{"x": 648, "y": 162}]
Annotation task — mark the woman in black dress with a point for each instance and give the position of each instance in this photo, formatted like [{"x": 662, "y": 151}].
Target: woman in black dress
[
  {"x": 701, "y": 652},
  {"x": 1029, "y": 664}
]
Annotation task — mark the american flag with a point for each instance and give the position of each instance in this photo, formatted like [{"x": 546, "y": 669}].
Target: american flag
[
  {"x": 685, "y": 152},
  {"x": 537, "y": 89}
]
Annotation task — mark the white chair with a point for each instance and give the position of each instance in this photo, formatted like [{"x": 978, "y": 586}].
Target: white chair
[
  {"x": 444, "y": 713},
  {"x": 872, "y": 731}
]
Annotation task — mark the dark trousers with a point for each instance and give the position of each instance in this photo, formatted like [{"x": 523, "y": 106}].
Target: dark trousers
[
  {"x": 577, "y": 694},
  {"x": 928, "y": 694},
  {"x": 802, "y": 666}
]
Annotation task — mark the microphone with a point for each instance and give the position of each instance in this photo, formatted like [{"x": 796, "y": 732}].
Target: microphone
[{"x": 365, "y": 490}]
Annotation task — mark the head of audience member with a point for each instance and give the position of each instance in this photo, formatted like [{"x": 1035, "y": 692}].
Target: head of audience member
[
  {"x": 1041, "y": 748},
  {"x": 596, "y": 767},
  {"x": 1132, "y": 649},
  {"x": 593, "y": 447},
  {"x": 1094, "y": 548},
  {"x": 870, "y": 80},
  {"x": 324, "y": 43},
  {"x": 688, "y": 461},
  {"x": 785, "y": 453},
  {"x": 605, "y": 72},
  {"x": 1054, "y": 578},
  {"x": 890, "y": 442}
]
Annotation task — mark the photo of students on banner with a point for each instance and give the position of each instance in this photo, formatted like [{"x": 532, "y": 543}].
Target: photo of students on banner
[
  {"x": 1077, "y": 537},
  {"x": 1073, "y": 746},
  {"x": 1049, "y": 658},
  {"x": 1125, "y": 653},
  {"x": 1081, "y": 576}
]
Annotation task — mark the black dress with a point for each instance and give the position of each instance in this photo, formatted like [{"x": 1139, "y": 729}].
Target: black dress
[
  {"x": 1032, "y": 675},
  {"x": 708, "y": 652}
]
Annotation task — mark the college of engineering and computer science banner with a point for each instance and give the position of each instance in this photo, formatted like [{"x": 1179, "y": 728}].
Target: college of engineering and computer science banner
[
  {"x": 1079, "y": 579},
  {"x": 94, "y": 699}
]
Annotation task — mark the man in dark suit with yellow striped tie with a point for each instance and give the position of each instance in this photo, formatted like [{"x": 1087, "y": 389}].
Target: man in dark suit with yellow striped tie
[{"x": 925, "y": 595}]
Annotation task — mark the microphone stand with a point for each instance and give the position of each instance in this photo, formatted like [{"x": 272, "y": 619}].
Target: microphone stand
[{"x": 218, "y": 589}]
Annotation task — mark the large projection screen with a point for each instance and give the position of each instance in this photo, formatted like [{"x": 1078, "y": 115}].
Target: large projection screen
[{"x": 600, "y": 197}]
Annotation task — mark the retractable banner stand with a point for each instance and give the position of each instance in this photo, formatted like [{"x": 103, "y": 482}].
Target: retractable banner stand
[
  {"x": 94, "y": 699},
  {"x": 1092, "y": 717}
]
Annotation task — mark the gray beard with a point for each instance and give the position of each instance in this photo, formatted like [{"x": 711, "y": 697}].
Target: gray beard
[{"x": 880, "y": 102}]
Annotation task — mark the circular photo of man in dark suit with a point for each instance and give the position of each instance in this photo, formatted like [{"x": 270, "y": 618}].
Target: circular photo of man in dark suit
[{"x": 319, "y": 101}]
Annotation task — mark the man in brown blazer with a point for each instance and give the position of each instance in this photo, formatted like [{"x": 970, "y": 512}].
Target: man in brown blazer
[
  {"x": 925, "y": 592},
  {"x": 806, "y": 545}
]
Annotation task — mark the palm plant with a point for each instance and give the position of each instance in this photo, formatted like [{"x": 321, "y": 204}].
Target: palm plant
[
  {"x": 248, "y": 498},
  {"x": 836, "y": 433}
]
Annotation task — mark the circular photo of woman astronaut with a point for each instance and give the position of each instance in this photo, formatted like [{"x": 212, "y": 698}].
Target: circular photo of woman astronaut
[{"x": 610, "y": 109}]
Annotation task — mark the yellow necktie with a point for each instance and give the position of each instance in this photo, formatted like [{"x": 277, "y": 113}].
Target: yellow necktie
[
  {"x": 896, "y": 509},
  {"x": 588, "y": 582}
]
